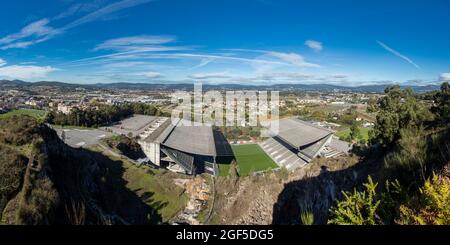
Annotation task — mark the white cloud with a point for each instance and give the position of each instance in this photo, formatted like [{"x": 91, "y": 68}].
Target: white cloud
[
  {"x": 35, "y": 32},
  {"x": 444, "y": 77},
  {"x": 203, "y": 62},
  {"x": 25, "y": 71},
  {"x": 315, "y": 45},
  {"x": 135, "y": 40},
  {"x": 2, "y": 62},
  {"x": 218, "y": 75},
  {"x": 109, "y": 9},
  {"x": 40, "y": 31},
  {"x": 293, "y": 58},
  {"x": 139, "y": 44},
  {"x": 394, "y": 52},
  {"x": 80, "y": 8},
  {"x": 299, "y": 77},
  {"x": 152, "y": 74}
]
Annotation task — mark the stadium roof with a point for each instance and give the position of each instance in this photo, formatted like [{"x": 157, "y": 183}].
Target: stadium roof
[
  {"x": 192, "y": 139},
  {"x": 198, "y": 140},
  {"x": 299, "y": 133}
]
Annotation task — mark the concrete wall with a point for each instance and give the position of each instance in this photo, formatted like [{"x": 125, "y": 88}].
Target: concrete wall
[{"x": 152, "y": 151}]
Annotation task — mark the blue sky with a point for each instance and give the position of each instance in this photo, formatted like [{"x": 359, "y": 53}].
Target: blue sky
[{"x": 226, "y": 41}]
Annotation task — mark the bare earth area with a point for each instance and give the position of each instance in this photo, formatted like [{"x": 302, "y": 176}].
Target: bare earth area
[{"x": 278, "y": 197}]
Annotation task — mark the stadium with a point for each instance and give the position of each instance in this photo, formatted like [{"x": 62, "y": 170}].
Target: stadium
[
  {"x": 298, "y": 142},
  {"x": 183, "y": 149},
  {"x": 196, "y": 149}
]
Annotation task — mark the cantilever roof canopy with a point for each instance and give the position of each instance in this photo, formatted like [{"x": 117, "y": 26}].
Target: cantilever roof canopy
[
  {"x": 299, "y": 133},
  {"x": 191, "y": 139}
]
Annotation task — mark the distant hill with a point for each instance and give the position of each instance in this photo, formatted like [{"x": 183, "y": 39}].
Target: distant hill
[{"x": 17, "y": 84}]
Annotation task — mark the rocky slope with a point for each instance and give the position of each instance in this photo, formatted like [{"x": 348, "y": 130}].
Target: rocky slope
[
  {"x": 44, "y": 181},
  {"x": 278, "y": 198}
]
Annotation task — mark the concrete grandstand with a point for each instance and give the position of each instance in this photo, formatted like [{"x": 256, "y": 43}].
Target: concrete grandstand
[
  {"x": 298, "y": 142},
  {"x": 184, "y": 149}
]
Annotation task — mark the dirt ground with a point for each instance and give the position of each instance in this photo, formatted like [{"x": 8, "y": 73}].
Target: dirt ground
[{"x": 266, "y": 199}]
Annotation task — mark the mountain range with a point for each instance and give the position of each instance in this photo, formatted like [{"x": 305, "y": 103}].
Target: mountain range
[{"x": 18, "y": 84}]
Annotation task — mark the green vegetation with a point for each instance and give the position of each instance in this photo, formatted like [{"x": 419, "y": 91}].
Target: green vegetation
[
  {"x": 363, "y": 134},
  {"x": 442, "y": 108},
  {"x": 398, "y": 109},
  {"x": 358, "y": 208},
  {"x": 38, "y": 114},
  {"x": 432, "y": 206},
  {"x": 224, "y": 169},
  {"x": 241, "y": 133},
  {"x": 126, "y": 146},
  {"x": 167, "y": 197},
  {"x": 307, "y": 215},
  {"x": 44, "y": 181},
  {"x": 251, "y": 158},
  {"x": 100, "y": 115},
  {"x": 415, "y": 174}
]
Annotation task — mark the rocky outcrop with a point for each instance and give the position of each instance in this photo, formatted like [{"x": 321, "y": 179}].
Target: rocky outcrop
[{"x": 55, "y": 184}]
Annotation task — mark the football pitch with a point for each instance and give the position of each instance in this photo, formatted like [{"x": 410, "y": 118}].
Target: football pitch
[{"x": 251, "y": 158}]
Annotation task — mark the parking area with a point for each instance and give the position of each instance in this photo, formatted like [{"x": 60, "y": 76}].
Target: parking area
[
  {"x": 82, "y": 137},
  {"x": 134, "y": 125}
]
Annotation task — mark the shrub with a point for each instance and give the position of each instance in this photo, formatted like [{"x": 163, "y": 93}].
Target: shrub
[
  {"x": 433, "y": 206},
  {"x": 358, "y": 208}
]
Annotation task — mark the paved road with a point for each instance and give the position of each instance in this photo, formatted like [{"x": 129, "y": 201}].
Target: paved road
[
  {"x": 134, "y": 125},
  {"x": 83, "y": 137}
]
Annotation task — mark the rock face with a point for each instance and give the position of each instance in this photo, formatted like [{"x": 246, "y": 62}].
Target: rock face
[
  {"x": 199, "y": 194},
  {"x": 279, "y": 198},
  {"x": 53, "y": 183},
  {"x": 247, "y": 200}
]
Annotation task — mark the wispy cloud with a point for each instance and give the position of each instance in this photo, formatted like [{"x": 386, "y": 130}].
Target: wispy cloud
[
  {"x": 2, "y": 62},
  {"x": 25, "y": 71},
  {"x": 148, "y": 74},
  {"x": 217, "y": 75},
  {"x": 394, "y": 52},
  {"x": 80, "y": 8},
  {"x": 140, "y": 44},
  {"x": 40, "y": 31},
  {"x": 109, "y": 9},
  {"x": 35, "y": 32},
  {"x": 203, "y": 62},
  {"x": 314, "y": 45},
  {"x": 293, "y": 77},
  {"x": 145, "y": 55},
  {"x": 294, "y": 59}
]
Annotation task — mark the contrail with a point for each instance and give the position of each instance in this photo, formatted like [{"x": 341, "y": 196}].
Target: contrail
[{"x": 398, "y": 54}]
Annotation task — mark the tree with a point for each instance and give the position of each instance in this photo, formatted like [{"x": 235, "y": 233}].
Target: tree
[
  {"x": 398, "y": 109},
  {"x": 442, "y": 107},
  {"x": 372, "y": 105},
  {"x": 354, "y": 131}
]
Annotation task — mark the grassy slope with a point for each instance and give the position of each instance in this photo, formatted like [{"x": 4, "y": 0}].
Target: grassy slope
[
  {"x": 364, "y": 133},
  {"x": 38, "y": 114},
  {"x": 165, "y": 196},
  {"x": 224, "y": 169},
  {"x": 251, "y": 158}
]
